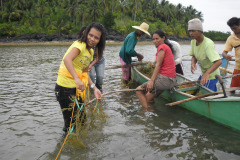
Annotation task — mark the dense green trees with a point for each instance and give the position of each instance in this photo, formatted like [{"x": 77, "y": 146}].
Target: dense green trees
[
  {"x": 68, "y": 16},
  {"x": 217, "y": 36}
]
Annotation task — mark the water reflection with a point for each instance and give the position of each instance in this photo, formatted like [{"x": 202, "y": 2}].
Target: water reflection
[{"x": 31, "y": 121}]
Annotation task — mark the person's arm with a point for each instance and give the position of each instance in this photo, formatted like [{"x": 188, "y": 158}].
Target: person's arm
[
  {"x": 214, "y": 66},
  {"x": 159, "y": 61},
  {"x": 97, "y": 92},
  {"x": 193, "y": 64},
  {"x": 227, "y": 48},
  {"x": 154, "y": 64},
  {"x": 68, "y": 61},
  {"x": 140, "y": 56},
  {"x": 130, "y": 47},
  {"x": 226, "y": 55},
  {"x": 93, "y": 62},
  {"x": 178, "y": 54}
]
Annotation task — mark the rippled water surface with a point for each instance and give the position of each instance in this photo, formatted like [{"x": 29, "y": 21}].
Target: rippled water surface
[{"x": 31, "y": 120}]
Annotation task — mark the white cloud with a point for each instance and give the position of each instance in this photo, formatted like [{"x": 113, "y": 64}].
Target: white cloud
[{"x": 216, "y": 13}]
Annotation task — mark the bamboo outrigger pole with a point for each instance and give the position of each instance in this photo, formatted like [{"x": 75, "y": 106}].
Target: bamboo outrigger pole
[{"x": 127, "y": 65}]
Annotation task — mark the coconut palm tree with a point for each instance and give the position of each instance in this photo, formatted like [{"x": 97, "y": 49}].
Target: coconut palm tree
[{"x": 95, "y": 10}]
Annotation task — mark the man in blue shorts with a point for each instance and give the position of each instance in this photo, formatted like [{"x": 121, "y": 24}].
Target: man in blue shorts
[{"x": 203, "y": 51}]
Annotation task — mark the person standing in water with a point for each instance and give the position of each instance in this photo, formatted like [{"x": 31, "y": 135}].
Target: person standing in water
[
  {"x": 128, "y": 49},
  {"x": 72, "y": 75}
]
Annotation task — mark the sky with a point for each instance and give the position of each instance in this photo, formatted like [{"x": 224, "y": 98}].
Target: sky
[{"x": 216, "y": 13}]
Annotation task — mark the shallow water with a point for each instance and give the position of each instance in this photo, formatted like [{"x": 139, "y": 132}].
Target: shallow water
[{"x": 31, "y": 121}]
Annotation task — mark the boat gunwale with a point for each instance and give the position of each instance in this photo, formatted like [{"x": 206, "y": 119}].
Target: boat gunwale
[{"x": 229, "y": 98}]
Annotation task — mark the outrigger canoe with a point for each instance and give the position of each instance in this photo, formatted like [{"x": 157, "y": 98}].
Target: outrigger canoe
[{"x": 225, "y": 111}]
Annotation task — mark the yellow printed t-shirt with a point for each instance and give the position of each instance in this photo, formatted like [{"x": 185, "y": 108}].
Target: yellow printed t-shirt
[
  {"x": 234, "y": 41},
  {"x": 82, "y": 61},
  {"x": 206, "y": 55}
]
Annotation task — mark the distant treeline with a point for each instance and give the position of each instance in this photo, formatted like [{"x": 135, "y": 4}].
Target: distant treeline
[
  {"x": 20, "y": 17},
  {"x": 217, "y": 36}
]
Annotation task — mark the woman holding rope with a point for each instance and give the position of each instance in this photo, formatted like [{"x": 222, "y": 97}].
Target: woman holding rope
[
  {"x": 164, "y": 74},
  {"x": 72, "y": 75}
]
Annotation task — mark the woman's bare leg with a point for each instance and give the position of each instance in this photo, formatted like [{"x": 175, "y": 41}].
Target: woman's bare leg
[
  {"x": 142, "y": 98},
  {"x": 150, "y": 97}
]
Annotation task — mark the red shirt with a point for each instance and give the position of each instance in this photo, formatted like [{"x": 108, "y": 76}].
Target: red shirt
[{"x": 168, "y": 65}]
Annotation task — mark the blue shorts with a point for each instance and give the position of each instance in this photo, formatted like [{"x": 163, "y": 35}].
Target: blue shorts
[{"x": 211, "y": 84}]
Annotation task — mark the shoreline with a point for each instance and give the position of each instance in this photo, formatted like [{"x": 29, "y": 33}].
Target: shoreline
[
  {"x": 113, "y": 38},
  {"x": 63, "y": 43}
]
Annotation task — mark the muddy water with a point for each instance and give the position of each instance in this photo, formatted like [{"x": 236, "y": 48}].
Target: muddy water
[{"x": 31, "y": 121}]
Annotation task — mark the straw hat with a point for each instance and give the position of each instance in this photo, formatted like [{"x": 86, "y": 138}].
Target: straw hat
[{"x": 143, "y": 27}]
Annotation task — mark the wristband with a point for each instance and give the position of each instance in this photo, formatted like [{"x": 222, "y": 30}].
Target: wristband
[{"x": 92, "y": 85}]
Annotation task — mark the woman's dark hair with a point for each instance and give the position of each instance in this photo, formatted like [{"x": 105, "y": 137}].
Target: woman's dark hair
[
  {"x": 233, "y": 21},
  {"x": 166, "y": 41},
  {"x": 102, "y": 42},
  {"x": 81, "y": 32}
]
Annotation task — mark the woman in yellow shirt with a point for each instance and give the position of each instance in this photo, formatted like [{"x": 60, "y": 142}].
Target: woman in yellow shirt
[{"x": 72, "y": 75}]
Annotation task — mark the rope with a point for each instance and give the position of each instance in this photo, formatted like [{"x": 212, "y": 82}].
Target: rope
[
  {"x": 95, "y": 108},
  {"x": 68, "y": 131},
  {"x": 72, "y": 127}
]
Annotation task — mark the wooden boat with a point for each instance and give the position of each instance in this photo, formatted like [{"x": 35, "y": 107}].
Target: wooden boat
[{"x": 222, "y": 110}]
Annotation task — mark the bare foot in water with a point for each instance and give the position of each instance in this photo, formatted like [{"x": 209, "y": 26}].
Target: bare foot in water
[{"x": 149, "y": 109}]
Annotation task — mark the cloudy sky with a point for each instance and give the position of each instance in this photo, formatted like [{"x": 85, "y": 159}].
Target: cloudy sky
[{"x": 216, "y": 13}]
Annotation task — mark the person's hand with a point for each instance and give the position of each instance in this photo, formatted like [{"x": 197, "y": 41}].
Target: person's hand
[
  {"x": 140, "y": 57},
  {"x": 79, "y": 84},
  {"x": 154, "y": 64},
  {"x": 204, "y": 78},
  {"x": 89, "y": 68},
  {"x": 229, "y": 57},
  {"x": 97, "y": 93},
  {"x": 149, "y": 86},
  {"x": 193, "y": 67},
  {"x": 86, "y": 69}
]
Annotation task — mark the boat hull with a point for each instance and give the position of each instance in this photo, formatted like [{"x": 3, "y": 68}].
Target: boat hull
[{"x": 222, "y": 110}]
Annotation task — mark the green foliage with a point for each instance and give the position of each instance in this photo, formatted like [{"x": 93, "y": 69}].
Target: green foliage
[
  {"x": 67, "y": 17},
  {"x": 217, "y": 35},
  {"x": 108, "y": 20},
  {"x": 7, "y": 29}
]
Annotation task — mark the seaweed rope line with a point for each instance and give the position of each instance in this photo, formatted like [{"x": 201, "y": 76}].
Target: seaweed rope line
[
  {"x": 79, "y": 110},
  {"x": 96, "y": 106},
  {"x": 68, "y": 130},
  {"x": 72, "y": 127}
]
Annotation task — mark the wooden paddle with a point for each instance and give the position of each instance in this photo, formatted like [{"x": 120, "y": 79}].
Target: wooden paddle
[
  {"x": 202, "y": 96},
  {"x": 128, "y": 65},
  {"x": 225, "y": 70}
]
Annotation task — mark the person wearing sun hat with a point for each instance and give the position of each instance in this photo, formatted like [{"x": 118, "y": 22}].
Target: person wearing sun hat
[
  {"x": 128, "y": 49},
  {"x": 203, "y": 51}
]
